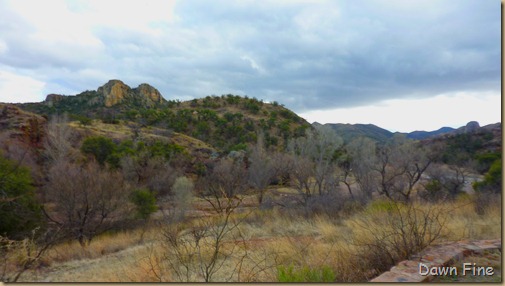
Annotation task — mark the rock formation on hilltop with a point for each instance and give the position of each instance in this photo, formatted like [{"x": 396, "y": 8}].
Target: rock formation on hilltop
[{"x": 115, "y": 92}]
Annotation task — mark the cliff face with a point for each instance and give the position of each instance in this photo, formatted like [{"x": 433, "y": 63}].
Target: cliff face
[
  {"x": 115, "y": 92},
  {"x": 148, "y": 92}
]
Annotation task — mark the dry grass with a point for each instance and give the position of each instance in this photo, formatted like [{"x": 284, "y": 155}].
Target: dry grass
[{"x": 268, "y": 238}]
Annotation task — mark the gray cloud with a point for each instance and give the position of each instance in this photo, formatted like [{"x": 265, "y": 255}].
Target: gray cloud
[{"x": 308, "y": 55}]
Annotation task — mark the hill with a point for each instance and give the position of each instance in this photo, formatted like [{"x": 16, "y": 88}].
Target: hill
[
  {"x": 227, "y": 122},
  {"x": 419, "y": 135},
  {"x": 349, "y": 132}
]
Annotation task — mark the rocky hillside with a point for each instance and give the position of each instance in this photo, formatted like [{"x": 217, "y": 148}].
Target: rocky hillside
[
  {"x": 227, "y": 122},
  {"x": 114, "y": 95}
]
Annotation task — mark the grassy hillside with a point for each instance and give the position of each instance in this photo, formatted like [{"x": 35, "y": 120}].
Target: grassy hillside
[{"x": 227, "y": 122}]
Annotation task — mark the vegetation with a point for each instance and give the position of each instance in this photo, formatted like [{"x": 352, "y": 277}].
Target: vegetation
[
  {"x": 261, "y": 197},
  {"x": 305, "y": 274},
  {"x": 19, "y": 209}
]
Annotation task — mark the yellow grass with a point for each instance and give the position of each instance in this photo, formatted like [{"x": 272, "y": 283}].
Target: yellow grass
[{"x": 271, "y": 238}]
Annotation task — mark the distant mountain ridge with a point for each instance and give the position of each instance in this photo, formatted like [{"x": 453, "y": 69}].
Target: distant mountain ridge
[
  {"x": 419, "y": 135},
  {"x": 351, "y": 131}
]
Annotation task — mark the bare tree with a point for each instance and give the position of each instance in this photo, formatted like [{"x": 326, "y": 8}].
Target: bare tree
[
  {"x": 57, "y": 143},
  {"x": 85, "y": 200},
  {"x": 400, "y": 165},
  {"x": 444, "y": 182},
  {"x": 227, "y": 179},
  {"x": 315, "y": 165},
  {"x": 282, "y": 167},
  {"x": 361, "y": 160},
  {"x": 261, "y": 169},
  {"x": 183, "y": 193},
  {"x": 155, "y": 173}
]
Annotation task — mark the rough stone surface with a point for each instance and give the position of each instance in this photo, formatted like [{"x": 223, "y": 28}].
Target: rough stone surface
[
  {"x": 435, "y": 256},
  {"x": 114, "y": 92},
  {"x": 147, "y": 91}
]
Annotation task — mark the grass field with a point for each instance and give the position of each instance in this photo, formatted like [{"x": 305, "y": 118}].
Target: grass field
[{"x": 256, "y": 244}]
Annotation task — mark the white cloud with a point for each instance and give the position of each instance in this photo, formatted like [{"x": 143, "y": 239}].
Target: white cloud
[
  {"x": 404, "y": 115},
  {"x": 3, "y": 47},
  {"x": 19, "y": 88},
  {"x": 306, "y": 54}
]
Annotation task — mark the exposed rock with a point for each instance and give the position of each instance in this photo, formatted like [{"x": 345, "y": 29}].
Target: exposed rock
[
  {"x": 472, "y": 126},
  {"x": 147, "y": 91},
  {"x": 114, "y": 92}
]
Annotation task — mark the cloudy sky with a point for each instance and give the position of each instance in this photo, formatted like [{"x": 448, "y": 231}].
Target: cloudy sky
[{"x": 402, "y": 65}]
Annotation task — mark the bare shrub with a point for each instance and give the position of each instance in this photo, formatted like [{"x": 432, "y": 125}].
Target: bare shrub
[
  {"x": 227, "y": 179},
  {"x": 183, "y": 194},
  {"x": 85, "y": 200},
  {"x": 389, "y": 232},
  {"x": 18, "y": 256},
  {"x": 209, "y": 247},
  {"x": 155, "y": 173}
]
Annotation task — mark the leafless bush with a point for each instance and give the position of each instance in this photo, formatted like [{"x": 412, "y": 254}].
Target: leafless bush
[
  {"x": 85, "y": 200},
  {"x": 153, "y": 173},
  {"x": 227, "y": 179},
  {"x": 18, "y": 256},
  {"x": 209, "y": 247},
  {"x": 389, "y": 232},
  {"x": 183, "y": 193}
]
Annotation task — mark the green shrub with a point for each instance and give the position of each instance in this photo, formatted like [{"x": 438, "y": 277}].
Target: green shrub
[
  {"x": 145, "y": 201},
  {"x": 305, "y": 274},
  {"x": 19, "y": 210},
  {"x": 100, "y": 147}
]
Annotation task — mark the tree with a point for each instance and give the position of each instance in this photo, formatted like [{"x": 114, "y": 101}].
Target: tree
[
  {"x": 144, "y": 171},
  {"x": 100, "y": 147},
  {"x": 260, "y": 171},
  {"x": 183, "y": 193},
  {"x": 57, "y": 143},
  {"x": 492, "y": 179},
  {"x": 400, "y": 165},
  {"x": 227, "y": 179},
  {"x": 315, "y": 165},
  {"x": 145, "y": 203},
  {"x": 362, "y": 158},
  {"x": 19, "y": 210},
  {"x": 87, "y": 200}
]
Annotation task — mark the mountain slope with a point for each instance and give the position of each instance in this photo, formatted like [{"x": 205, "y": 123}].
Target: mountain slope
[
  {"x": 227, "y": 122},
  {"x": 349, "y": 132},
  {"x": 419, "y": 135}
]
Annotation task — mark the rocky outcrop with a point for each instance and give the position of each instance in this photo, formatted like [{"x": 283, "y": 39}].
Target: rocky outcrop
[
  {"x": 472, "y": 126},
  {"x": 146, "y": 91},
  {"x": 115, "y": 92}
]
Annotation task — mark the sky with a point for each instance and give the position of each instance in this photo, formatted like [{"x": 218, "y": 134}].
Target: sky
[{"x": 401, "y": 65}]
